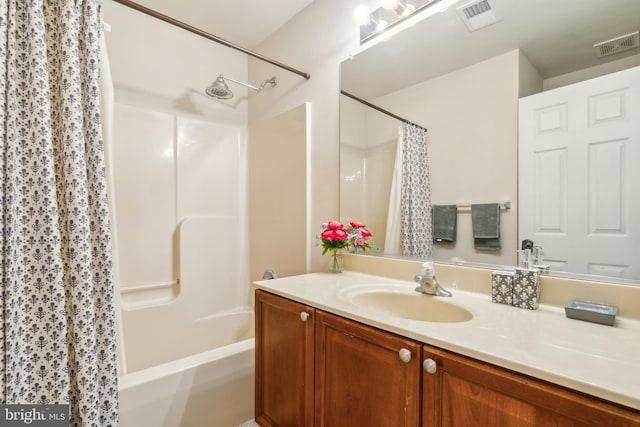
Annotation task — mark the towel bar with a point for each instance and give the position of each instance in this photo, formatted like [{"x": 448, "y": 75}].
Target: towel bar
[{"x": 503, "y": 206}]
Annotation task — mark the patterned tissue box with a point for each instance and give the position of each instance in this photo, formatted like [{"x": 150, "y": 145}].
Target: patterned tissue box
[
  {"x": 502, "y": 287},
  {"x": 526, "y": 289}
]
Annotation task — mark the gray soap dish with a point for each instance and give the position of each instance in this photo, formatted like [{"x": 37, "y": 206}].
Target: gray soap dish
[{"x": 597, "y": 313}]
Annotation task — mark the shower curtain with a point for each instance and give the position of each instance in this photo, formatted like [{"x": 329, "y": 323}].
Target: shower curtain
[
  {"x": 416, "y": 229},
  {"x": 57, "y": 337}
]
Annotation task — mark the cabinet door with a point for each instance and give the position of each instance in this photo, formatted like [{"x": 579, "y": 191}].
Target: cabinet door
[
  {"x": 473, "y": 393},
  {"x": 284, "y": 362},
  {"x": 360, "y": 377}
]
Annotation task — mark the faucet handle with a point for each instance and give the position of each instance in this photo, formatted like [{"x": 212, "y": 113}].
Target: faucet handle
[{"x": 428, "y": 269}]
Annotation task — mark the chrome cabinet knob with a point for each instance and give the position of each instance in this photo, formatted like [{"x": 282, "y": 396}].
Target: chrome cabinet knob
[
  {"x": 430, "y": 366},
  {"x": 304, "y": 316}
]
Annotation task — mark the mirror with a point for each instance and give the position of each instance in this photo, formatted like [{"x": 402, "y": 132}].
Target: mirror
[{"x": 464, "y": 87}]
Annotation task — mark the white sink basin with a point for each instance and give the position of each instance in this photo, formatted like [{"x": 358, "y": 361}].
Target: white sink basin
[{"x": 408, "y": 304}]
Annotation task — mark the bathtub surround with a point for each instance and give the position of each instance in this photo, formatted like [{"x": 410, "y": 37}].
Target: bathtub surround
[
  {"x": 56, "y": 244},
  {"x": 107, "y": 125},
  {"x": 192, "y": 150},
  {"x": 180, "y": 168}
]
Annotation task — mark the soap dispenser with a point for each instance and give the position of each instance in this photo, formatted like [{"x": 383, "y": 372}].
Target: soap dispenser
[
  {"x": 526, "y": 260},
  {"x": 526, "y": 283}
]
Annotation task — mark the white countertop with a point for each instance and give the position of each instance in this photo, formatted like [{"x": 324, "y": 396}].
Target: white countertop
[{"x": 603, "y": 361}]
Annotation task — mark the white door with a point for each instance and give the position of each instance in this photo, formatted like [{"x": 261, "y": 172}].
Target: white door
[{"x": 579, "y": 175}]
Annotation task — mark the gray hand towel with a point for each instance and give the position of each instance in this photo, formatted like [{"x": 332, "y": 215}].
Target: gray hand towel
[
  {"x": 485, "y": 219},
  {"x": 445, "y": 218}
]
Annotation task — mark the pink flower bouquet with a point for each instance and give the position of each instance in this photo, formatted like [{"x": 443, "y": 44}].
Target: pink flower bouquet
[{"x": 353, "y": 238}]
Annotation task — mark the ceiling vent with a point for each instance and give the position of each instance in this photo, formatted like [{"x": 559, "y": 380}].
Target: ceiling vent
[
  {"x": 477, "y": 14},
  {"x": 619, "y": 44}
]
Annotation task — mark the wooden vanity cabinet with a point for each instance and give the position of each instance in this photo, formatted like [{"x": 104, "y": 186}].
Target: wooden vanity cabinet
[
  {"x": 466, "y": 392},
  {"x": 365, "y": 376},
  {"x": 318, "y": 369},
  {"x": 284, "y": 362}
]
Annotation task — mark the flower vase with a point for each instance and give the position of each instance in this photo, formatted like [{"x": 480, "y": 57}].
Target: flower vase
[{"x": 336, "y": 262}]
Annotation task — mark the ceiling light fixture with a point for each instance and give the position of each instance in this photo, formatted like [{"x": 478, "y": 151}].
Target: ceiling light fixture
[
  {"x": 389, "y": 4},
  {"x": 362, "y": 15},
  {"x": 400, "y": 7},
  {"x": 386, "y": 16},
  {"x": 408, "y": 9},
  {"x": 364, "y": 18}
]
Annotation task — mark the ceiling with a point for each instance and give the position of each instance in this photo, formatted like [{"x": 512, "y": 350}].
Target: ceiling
[
  {"x": 243, "y": 22},
  {"x": 557, "y": 36}
]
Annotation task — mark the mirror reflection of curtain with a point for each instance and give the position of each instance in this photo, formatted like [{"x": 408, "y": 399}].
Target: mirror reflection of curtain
[
  {"x": 416, "y": 228},
  {"x": 392, "y": 237}
]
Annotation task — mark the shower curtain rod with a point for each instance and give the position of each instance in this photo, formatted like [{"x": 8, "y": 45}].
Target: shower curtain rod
[
  {"x": 209, "y": 36},
  {"x": 382, "y": 110}
]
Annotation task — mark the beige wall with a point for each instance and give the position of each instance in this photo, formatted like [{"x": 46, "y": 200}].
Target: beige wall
[
  {"x": 278, "y": 194},
  {"x": 315, "y": 41},
  {"x": 592, "y": 72},
  {"x": 530, "y": 81}
]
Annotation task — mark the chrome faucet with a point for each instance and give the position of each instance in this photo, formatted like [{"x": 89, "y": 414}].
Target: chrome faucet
[
  {"x": 537, "y": 260},
  {"x": 532, "y": 259},
  {"x": 428, "y": 283}
]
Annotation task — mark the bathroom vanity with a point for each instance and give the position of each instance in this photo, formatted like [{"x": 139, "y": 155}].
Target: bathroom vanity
[{"x": 360, "y": 350}]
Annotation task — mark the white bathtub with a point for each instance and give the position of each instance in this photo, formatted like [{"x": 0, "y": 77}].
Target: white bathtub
[{"x": 210, "y": 388}]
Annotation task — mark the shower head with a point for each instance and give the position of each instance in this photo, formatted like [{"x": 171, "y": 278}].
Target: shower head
[{"x": 219, "y": 89}]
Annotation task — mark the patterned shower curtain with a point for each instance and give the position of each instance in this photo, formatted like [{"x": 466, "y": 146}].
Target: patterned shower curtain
[
  {"x": 415, "y": 200},
  {"x": 57, "y": 337}
]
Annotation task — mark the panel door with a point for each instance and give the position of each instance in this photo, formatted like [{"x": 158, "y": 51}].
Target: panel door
[
  {"x": 579, "y": 180},
  {"x": 361, "y": 379},
  {"x": 284, "y": 362}
]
